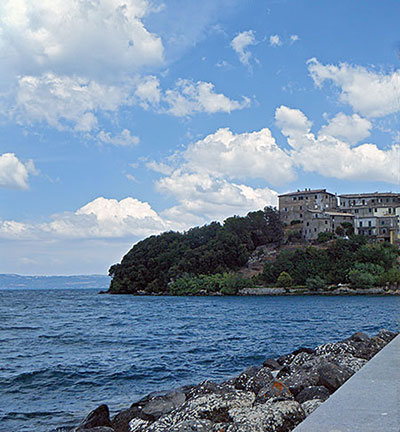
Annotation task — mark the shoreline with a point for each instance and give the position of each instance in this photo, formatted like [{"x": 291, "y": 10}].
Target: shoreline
[{"x": 276, "y": 396}]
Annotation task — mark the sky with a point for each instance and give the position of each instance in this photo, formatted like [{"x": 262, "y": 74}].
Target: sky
[{"x": 120, "y": 119}]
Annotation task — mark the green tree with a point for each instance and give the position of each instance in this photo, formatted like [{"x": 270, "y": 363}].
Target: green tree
[{"x": 284, "y": 280}]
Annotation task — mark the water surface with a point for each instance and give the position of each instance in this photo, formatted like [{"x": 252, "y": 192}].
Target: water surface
[{"x": 64, "y": 352}]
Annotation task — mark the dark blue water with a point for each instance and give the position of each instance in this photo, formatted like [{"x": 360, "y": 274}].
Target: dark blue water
[{"x": 62, "y": 353}]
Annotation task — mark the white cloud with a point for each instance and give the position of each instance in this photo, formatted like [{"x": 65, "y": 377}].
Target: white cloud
[
  {"x": 189, "y": 97},
  {"x": 13, "y": 173},
  {"x": 240, "y": 156},
  {"x": 275, "y": 40},
  {"x": 148, "y": 91},
  {"x": 292, "y": 122},
  {"x": 122, "y": 139},
  {"x": 85, "y": 38},
  {"x": 241, "y": 42},
  {"x": 294, "y": 38},
  {"x": 104, "y": 218},
  {"x": 66, "y": 102},
  {"x": 160, "y": 167},
  {"x": 203, "y": 198},
  {"x": 372, "y": 94},
  {"x": 331, "y": 157},
  {"x": 351, "y": 129}
]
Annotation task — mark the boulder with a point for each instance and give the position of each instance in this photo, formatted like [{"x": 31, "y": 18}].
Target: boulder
[
  {"x": 311, "y": 405},
  {"x": 98, "y": 417},
  {"x": 204, "y": 411},
  {"x": 138, "y": 425},
  {"x": 160, "y": 405},
  {"x": 272, "y": 364},
  {"x": 281, "y": 416},
  {"x": 253, "y": 379},
  {"x": 275, "y": 389},
  {"x": 332, "y": 375},
  {"x": 313, "y": 392}
]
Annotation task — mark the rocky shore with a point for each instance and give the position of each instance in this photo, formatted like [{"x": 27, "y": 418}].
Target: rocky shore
[{"x": 274, "y": 397}]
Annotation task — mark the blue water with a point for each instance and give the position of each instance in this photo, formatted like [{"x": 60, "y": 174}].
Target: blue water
[{"x": 62, "y": 353}]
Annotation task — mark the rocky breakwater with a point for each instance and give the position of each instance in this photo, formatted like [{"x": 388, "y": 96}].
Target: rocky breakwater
[{"x": 274, "y": 397}]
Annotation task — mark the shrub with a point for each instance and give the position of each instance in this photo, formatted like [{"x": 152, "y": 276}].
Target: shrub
[
  {"x": 361, "y": 279},
  {"x": 315, "y": 283},
  {"x": 295, "y": 222},
  {"x": 324, "y": 237},
  {"x": 284, "y": 280},
  {"x": 391, "y": 276}
]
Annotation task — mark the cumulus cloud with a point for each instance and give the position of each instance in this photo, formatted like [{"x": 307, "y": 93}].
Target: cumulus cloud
[
  {"x": 351, "y": 129},
  {"x": 240, "y": 156},
  {"x": 372, "y": 94},
  {"x": 329, "y": 156},
  {"x": 13, "y": 173},
  {"x": 66, "y": 102},
  {"x": 275, "y": 40},
  {"x": 85, "y": 38},
  {"x": 204, "y": 197},
  {"x": 122, "y": 139},
  {"x": 240, "y": 44},
  {"x": 189, "y": 97}
]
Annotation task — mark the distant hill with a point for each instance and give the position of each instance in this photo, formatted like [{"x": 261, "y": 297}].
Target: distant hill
[{"x": 14, "y": 281}]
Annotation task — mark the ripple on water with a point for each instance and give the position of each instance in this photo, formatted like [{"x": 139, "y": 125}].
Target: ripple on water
[{"x": 65, "y": 352}]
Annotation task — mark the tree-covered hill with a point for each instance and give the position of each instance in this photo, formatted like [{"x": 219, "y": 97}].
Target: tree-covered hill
[{"x": 158, "y": 260}]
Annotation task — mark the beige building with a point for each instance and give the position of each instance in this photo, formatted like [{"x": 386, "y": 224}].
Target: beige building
[
  {"x": 316, "y": 221},
  {"x": 376, "y": 214},
  {"x": 293, "y": 206}
]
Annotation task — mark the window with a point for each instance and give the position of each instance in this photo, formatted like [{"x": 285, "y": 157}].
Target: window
[
  {"x": 316, "y": 196},
  {"x": 370, "y": 210},
  {"x": 326, "y": 222},
  {"x": 301, "y": 215},
  {"x": 369, "y": 223},
  {"x": 308, "y": 223},
  {"x": 356, "y": 211},
  {"x": 360, "y": 224},
  {"x": 376, "y": 210},
  {"x": 383, "y": 222},
  {"x": 294, "y": 198},
  {"x": 301, "y": 207},
  {"x": 315, "y": 229}
]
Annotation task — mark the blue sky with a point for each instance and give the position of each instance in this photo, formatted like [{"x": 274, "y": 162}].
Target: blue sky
[{"x": 124, "y": 118}]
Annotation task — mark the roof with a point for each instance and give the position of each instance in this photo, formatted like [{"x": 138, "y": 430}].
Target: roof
[
  {"x": 372, "y": 194},
  {"x": 339, "y": 214},
  {"x": 307, "y": 192}
]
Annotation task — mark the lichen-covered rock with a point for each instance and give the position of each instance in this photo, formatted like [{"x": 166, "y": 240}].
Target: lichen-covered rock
[
  {"x": 253, "y": 379},
  {"x": 313, "y": 392},
  {"x": 311, "y": 405},
  {"x": 209, "y": 387},
  {"x": 272, "y": 364},
  {"x": 275, "y": 389},
  {"x": 279, "y": 416},
  {"x": 207, "y": 409},
  {"x": 138, "y": 425}
]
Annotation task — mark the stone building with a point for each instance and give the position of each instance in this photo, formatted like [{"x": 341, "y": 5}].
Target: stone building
[
  {"x": 376, "y": 215},
  {"x": 293, "y": 205},
  {"x": 316, "y": 221}
]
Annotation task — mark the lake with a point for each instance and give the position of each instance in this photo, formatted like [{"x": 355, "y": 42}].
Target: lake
[{"x": 64, "y": 352}]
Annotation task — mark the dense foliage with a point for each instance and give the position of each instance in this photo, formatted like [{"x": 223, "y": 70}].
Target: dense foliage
[
  {"x": 226, "y": 284},
  {"x": 351, "y": 261},
  {"x": 158, "y": 260}
]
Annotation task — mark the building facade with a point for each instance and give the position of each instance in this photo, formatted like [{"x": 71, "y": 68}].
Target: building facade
[
  {"x": 293, "y": 206},
  {"x": 376, "y": 215}
]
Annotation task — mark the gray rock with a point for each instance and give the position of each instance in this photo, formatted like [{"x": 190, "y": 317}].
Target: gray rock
[
  {"x": 272, "y": 364},
  {"x": 311, "y": 405},
  {"x": 209, "y": 387},
  {"x": 332, "y": 375},
  {"x": 204, "y": 411},
  {"x": 280, "y": 416},
  {"x": 138, "y": 425},
  {"x": 313, "y": 392},
  {"x": 275, "y": 389},
  {"x": 253, "y": 379},
  {"x": 98, "y": 417},
  {"x": 161, "y": 405}
]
